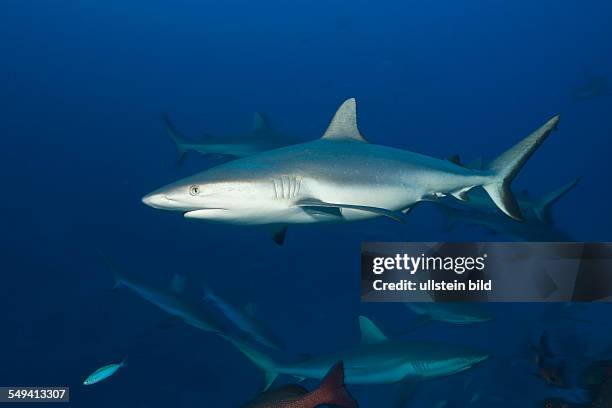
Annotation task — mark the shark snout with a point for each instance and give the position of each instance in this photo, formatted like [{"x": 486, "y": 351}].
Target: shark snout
[{"x": 157, "y": 200}]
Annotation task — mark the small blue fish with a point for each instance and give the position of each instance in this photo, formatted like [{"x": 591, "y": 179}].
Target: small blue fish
[{"x": 103, "y": 373}]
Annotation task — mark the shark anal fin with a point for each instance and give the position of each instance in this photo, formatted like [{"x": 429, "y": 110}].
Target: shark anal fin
[{"x": 314, "y": 203}]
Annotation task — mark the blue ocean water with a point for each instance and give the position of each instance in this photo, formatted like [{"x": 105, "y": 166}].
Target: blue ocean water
[{"x": 83, "y": 86}]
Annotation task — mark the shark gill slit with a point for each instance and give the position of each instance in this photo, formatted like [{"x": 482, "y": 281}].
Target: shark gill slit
[
  {"x": 285, "y": 181},
  {"x": 286, "y": 187},
  {"x": 275, "y": 188}
]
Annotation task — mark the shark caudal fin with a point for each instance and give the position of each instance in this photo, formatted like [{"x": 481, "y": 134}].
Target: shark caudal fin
[
  {"x": 541, "y": 208},
  {"x": 179, "y": 140},
  {"x": 262, "y": 361},
  {"x": 332, "y": 390},
  {"x": 508, "y": 164}
]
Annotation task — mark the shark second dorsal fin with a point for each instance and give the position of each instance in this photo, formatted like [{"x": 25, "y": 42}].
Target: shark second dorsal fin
[
  {"x": 260, "y": 124},
  {"x": 344, "y": 124},
  {"x": 370, "y": 333}
]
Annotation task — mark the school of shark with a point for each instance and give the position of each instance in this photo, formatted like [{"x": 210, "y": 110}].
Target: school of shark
[{"x": 271, "y": 178}]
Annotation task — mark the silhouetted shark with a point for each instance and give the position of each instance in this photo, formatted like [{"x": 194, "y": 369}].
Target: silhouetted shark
[
  {"x": 262, "y": 137},
  {"x": 593, "y": 87},
  {"x": 377, "y": 360}
]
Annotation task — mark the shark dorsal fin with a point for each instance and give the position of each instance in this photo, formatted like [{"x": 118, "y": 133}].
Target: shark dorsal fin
[
  {"x": 178, "y": 283},
  {"x": 260, "y": 124},
  {"x": 370, "y": 333},
  {"x": 344, "y": 124}
]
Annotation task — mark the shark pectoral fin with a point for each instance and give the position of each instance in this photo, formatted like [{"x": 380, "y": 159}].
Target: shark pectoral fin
[
  {"x": 279, "y": 231},
  {"x": 317, "y": 210},
  {"x": 370, "y": 333},
  {"x": 314, "y": 204}
]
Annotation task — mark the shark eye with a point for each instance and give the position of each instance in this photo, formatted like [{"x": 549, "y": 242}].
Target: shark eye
[{"x": 194, "y": 190}]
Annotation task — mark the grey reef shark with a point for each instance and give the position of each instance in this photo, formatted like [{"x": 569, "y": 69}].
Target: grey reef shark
[
  {"x": 338, "y": 178},
  {"x": 376, "y": 360},
  {"x": 260, "y": 138}
]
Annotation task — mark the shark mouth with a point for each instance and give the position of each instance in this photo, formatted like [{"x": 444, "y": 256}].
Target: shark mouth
[{"x": 204, "y": 212}]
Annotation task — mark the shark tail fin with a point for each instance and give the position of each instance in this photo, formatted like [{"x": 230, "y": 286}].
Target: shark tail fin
[
  {"x": 179, "y": 140},
  {"x": 508, "y": 164},
  {"x": 332, "y": 390},
  {"x": 542, "y": 206},
  {"x": 262, "y": 361}
]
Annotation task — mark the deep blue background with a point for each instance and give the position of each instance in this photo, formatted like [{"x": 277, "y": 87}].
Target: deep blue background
[{"x": 82, "y": 87}]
